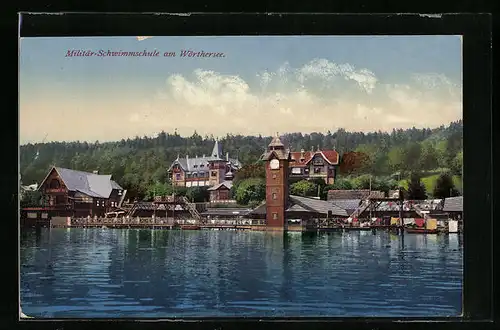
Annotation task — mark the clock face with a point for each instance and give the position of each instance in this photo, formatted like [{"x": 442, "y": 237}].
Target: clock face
[{"x": 274, "y": 164}]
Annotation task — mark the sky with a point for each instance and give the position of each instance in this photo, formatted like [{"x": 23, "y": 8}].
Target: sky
[{"x": 261, "y": 85}]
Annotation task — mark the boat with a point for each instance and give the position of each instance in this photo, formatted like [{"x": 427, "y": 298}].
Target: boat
[{"x": 422, "y": 231}]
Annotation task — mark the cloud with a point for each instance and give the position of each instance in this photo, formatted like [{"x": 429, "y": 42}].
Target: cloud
[
  {"x": 329, "y": 71},
  {"x": 318, "y": 96}
]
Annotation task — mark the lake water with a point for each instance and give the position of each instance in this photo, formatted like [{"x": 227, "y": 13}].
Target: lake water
[{"x": 86, "y": 273}]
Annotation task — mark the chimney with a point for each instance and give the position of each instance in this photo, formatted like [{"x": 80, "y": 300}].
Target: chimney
[
  {"x": 227, "y": 156},
  {"x": 203, "y": 155},
  {"x": 95, "y": 172},
  {"x": 302, "y": 154}
]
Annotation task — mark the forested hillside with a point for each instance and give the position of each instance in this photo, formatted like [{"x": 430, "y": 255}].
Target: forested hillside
[{"x": 139, "y": 163}]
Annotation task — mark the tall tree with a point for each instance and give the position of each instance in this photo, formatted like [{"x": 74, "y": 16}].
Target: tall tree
[
  {"x": 444, "y": 187},
  {"x": 428, "y": 157},
  {"x": 416, "y": 189}
]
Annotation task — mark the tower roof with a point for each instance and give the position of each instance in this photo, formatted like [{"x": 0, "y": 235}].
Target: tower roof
[
  {"x": 217, "y": 150},
  {"x": 276, "y": 142}
]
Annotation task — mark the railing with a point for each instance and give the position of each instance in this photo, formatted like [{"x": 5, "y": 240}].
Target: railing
[
  {"x": 420, "y": 212},
  {"x": 361, "y": 208},
  {"x": 191, "y": 208},
  {"x": 317, "y": 175},
  {"x": 169, "y": 199}
]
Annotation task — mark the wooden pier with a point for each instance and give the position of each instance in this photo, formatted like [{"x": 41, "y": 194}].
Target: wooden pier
[{"x": 222, "y": 225}]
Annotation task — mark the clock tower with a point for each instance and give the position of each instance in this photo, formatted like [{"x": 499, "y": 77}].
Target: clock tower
[{"x": 277, "y": 159}]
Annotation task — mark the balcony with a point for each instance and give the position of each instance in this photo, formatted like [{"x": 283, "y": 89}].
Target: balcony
[
  {"x": 55, "y": 191},
  {"x": 318, "y": 175},
  {"x": 168, "y": 199}
]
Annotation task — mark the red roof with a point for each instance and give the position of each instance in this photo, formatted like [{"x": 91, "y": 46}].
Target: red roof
[{"x": 331, "y": 156}]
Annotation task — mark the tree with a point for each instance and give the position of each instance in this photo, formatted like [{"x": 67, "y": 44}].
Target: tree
[
  {"x": 319, "y": 185},
  {"x": 412, "y": 155},
  {"x": 137, "y": 163},
  {"x": 384, "y": 184},
  {"x": 370, "y": 151},
  {"x": 353, "y": 162},
  {"x": 250, "y": 190},
  {"x": 396, "y": 159},
  {"x": 457, "y": 163},
  {"x": 428, "y": 157},
  {"x": 197, "y": 194},
  {"x": 31, "y": 199},
  {"x": 444, "y": 187},
  {"x": 248, "y": 171},
  {"x": 341, "y": 184},
  {"x": 416, "y": 189},
  {"x": 303, "y": 188},
  {"x": 362, "y": 182},
  {"x": 158, "y": 189}
]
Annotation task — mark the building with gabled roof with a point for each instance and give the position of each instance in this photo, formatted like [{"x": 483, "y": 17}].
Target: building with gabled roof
[
  {"x": 321, "y": 164},
  {"x": 205, "y": 171},
  {"x": 454, "y": 207},
  {"x": 304, "y": 207},
  {"x": 221, "y": 192},
  {"x": 68, "y": 192}
]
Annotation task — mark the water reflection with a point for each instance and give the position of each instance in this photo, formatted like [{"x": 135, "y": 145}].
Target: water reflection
[{"x": 157, "y": 273}]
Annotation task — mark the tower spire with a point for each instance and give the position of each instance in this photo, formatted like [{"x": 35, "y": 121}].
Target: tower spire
[{"x": 217, "y": 150}]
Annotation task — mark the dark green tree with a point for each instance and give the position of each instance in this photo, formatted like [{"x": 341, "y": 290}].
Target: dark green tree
[
  {"x": 416, "y": 189},
  {"x": 198, "y": 194},
  {"x": 444, "y": 187}
]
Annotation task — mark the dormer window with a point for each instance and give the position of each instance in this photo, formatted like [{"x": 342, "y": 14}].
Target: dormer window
[
  {"x": 318, "y": 161},
  {"x": 195, "y": 166},
  {"x": 202, "y": 165},
  {"x": 54, "y": 184}
]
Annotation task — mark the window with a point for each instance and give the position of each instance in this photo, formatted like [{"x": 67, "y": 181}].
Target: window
[
  {"x": 202, "y": 165},
  {"x": 274, "y": 175},
  {"x": 195, "y": 166},
  {"x": 98, "y": 203},
  {"x": 54, "y": 184},
  {"x": 317, "y": 170},
  {"x": 275, "y": 216},
  {"x": 296, "y": 170},
  {"x": 275, "y": 196},
  {"x": 119, "y": 192},
  {"x": 178, "y": 176},
  {"x": 214, "y": 173},
  {"x": 306, "y": 171},
  {"x": 31, "y": 215},
  {"x": 318, "y": 161},
  {"x": 195, "y": 175}
]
